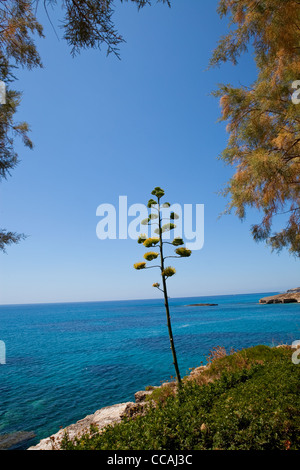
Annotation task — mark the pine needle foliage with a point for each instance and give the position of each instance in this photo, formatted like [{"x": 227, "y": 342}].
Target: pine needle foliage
[
  {"x": 85, "y": 25},
  {"x": 263, "y": 121},
  {"x": 18, "y": 24}
]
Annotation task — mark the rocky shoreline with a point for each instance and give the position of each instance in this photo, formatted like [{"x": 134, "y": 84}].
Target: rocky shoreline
[
  {"x": 15, "y": 440},
  {"x": 101, "y": 418},
  {"x": 291, "y": 296},
  {"x": 109, "y": 415}
]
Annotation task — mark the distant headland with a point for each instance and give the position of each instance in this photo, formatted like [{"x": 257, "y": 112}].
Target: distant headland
[{"x": 290, "y": 296}]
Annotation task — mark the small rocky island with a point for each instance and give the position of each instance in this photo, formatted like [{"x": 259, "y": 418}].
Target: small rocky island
[
  {"x": 290, "y": 296},
  {"x": 202, "y": 305}
]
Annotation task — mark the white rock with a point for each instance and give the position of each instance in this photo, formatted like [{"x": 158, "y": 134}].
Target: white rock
[{"x": 101, "y": 418}]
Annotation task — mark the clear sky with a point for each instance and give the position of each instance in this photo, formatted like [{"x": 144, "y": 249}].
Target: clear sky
[{"x": 105, "y": 128}]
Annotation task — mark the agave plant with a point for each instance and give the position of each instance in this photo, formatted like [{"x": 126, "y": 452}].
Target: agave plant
[{"x": 158, "y": 243}]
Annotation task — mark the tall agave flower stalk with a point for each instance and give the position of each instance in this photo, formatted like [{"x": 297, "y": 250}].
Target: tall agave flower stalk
[{"x": 158, "y": 242}]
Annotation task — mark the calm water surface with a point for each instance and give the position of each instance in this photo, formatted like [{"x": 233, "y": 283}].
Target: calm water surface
[{"x": 65, "y": 361}]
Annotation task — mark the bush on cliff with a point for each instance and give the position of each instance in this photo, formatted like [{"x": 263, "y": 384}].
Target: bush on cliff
[{"x": 247, "y": 400}]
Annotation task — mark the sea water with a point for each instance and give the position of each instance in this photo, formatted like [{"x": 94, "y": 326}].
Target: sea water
[{"x": 65, "y": 361}]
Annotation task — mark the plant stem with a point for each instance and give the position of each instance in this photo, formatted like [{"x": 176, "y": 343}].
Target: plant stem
[{"x": 167, "y": 303}]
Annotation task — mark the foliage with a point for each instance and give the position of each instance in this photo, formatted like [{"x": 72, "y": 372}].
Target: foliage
[
  {"x": 263, "y": 121},
  {"x": 250, "y": 401},
  {"x": 89, "y": 24},
  {"x": 18, "y": 24},
  {"x": 86, "y": 24},
  {"x": 7, "y": 238},
  {"x": 17, "y": 48}
]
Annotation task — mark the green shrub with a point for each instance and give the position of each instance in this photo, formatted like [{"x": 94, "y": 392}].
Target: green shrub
[{"x": 249, "y": 400}]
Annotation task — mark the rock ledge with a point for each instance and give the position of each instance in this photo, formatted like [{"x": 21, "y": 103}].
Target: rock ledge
[
  {"x": 101, "y": 418},
  {"x": 287, "y": 298}
]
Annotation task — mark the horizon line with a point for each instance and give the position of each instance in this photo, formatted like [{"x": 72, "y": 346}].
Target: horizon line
[{"x": 131, "y": 300}]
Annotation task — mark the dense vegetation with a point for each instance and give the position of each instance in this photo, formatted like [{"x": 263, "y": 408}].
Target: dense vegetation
[
  {"x": 246, "y": 400},
  {"x": 262, "y": 118}
]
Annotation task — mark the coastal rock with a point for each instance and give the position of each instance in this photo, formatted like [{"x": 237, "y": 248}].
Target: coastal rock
[
  {"x": 101, "y": 418},
  {"x": 286, "y": 298},
  {"x": 296, "y": 289},
  {"x": 202, "y": 305},
  {"x": 142, "y": 395},
  {"x": 195, "y": 372},
  {"x": 135, "y": 409},
  {"x": 113, "y": 414},
  {"x": 198, "y": 370},
  {"x": 15, "y": 440},
  {"x": 140, "y": 405},
  {"x": 172, "y": 384}
]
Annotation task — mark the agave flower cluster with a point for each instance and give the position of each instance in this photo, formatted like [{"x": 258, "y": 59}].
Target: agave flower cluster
[{"x": 158, "y": 242}]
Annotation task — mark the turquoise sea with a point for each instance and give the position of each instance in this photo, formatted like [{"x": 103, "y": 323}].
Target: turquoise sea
[{"x": 65, "y": 361}]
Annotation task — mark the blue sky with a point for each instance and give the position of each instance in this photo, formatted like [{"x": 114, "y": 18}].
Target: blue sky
[{"x": 104, "y": 128}]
